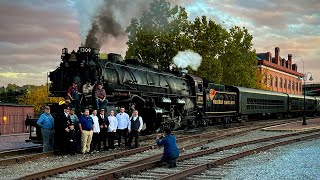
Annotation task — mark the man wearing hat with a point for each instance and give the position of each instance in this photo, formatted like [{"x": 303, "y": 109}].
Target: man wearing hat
[
  {"x": 46, "y": 123},
  {"x": 61, "y": 128},
  {"x": 104, "y": 123},
  {"x": 72, "y": 139}
]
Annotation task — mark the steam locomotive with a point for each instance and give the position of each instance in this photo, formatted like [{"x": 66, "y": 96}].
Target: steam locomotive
[{"x": 170, "y": 98}]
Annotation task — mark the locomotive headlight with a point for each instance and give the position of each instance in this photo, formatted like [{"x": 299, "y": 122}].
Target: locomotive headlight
[{"x": 82, "y": 63}]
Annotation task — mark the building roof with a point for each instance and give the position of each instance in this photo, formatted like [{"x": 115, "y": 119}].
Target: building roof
[
  {"x": 17, "y": 105},
  {"x": 280, "y": 68}
]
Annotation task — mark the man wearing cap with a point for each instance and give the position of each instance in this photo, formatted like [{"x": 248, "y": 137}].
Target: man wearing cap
[
  {"x": 104, "y": 123},
  {"x": 46, "y": 123},
  {"x": 62, "y": 128},
  {"x": 75, "y": 121}
]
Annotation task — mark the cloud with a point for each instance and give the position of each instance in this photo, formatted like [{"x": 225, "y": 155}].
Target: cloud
[{"x": 33, "y": 32}]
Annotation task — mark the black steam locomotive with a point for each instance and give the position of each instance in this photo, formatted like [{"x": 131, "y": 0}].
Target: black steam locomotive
[{"x": 170, "y": 98}]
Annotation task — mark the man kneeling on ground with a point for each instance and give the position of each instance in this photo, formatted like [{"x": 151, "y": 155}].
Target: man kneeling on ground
[{"x": 170, "y": 149}]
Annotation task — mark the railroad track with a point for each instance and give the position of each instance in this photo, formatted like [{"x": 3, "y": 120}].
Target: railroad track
[
  {"x": 193, "y": 163},
  {"x": 14, "y": 152},
  {"x": 143, "y": 154}
]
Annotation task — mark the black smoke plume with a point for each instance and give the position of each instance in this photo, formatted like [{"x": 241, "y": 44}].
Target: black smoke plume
[{"x": 111, "y": 19}]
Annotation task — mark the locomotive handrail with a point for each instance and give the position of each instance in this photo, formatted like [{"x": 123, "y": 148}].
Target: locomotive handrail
[
  {"x": 169, "y": 95},
  {"x": 166, "y": 74}
]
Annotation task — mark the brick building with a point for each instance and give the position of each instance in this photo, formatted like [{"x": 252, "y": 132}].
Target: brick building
[{"x": 279, "y": 74}]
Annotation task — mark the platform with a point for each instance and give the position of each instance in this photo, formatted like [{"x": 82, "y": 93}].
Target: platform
[{"x": 296, "y": 126}]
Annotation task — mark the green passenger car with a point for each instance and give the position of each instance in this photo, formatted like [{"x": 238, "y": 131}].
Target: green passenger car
[
  {"x": 260, "y": 102},
  {"x": 296, "y": 105}
]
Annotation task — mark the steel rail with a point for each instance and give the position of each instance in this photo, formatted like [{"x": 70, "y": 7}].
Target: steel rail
[
  {"x": 115, "y": 174},
  {"x": 12, "y": 152},
  {"x": 202, "y": 167},
  {"x": 21, "y": 159}
]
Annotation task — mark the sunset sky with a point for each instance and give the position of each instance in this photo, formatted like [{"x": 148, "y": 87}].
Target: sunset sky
[{"x": 33, "y": 32}]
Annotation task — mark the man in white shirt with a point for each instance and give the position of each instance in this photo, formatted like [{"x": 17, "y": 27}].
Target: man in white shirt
[
  {"x": 123, "y": 121},
  {"x": 96, "y": 130},
  {"x": 135, "y": 127},
  {"x": 112, "y": 128}
]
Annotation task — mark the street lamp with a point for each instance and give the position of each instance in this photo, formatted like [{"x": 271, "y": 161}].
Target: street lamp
[{"x": 305, "y": 76}]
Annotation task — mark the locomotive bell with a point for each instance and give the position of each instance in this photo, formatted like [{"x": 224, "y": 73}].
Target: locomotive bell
[{"x": 184, "y": 72}]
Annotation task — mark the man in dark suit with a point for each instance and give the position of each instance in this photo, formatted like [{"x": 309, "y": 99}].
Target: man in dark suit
[
  {"x": 104, "y": 123},
  {"x": 61, "y": 128}
]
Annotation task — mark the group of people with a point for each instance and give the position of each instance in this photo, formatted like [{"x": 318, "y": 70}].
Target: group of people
[
  {"x": 87, "y": 133},
  {"x": 100, "y": 95}
]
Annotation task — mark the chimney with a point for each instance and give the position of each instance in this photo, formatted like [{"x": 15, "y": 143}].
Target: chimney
[
  {"x": 296, "y": 67},
  {"x": 269, "y": 56},
  {"x": 283, "y": 62},
  {"x": 277, "y": 55},
  {"x": 290, "y": 61}
]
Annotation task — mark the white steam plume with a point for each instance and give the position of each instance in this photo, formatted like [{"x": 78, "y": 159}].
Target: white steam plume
[
  {"x": 187, "y": 58},
  {"x": 86, "y": 11}
]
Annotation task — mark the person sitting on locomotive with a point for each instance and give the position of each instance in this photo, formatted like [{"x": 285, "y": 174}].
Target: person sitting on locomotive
[
  {"x": 73, "y": 94},
  {"x": 87, "y": 93},
  {"x": 100, "y": 95}
]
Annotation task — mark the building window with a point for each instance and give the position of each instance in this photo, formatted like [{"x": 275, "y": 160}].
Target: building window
[
  {"x": 293, "y": 85},
  {"x": 297, "y": 85},
  {"x": 285, "y": 84},
  {"x": 289, "y": 84},
  {"x": 276, "y": 82},
  {"x": 280, "y": 83},
  {"x": 264, "y": 79},
  {"x": 269, "y": 80}
]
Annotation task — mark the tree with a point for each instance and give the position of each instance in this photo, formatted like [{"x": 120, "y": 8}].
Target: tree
[
  {"x": 38, "y": 96},
  {"x": 227, "y": 57},
  {"x": 157, "y": 36},
  {"x": 208, "y": 40},
  {"x": 239, "y": 59}
]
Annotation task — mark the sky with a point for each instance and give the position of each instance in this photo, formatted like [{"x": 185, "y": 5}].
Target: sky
[{"x": 33, "y": 32}]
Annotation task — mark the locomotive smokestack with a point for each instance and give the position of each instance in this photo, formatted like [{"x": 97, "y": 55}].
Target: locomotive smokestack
[{"x": 187, "y": 58}]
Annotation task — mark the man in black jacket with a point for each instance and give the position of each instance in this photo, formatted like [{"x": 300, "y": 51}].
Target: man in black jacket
[
  {"x": 61, "y": 129},
  {"x": 104, "y": 123}
]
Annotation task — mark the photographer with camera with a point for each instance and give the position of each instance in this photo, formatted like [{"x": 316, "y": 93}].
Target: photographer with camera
[{"x": 170, "y": 149}]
